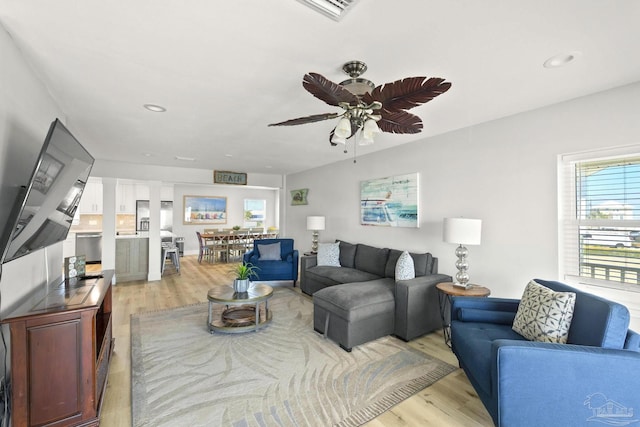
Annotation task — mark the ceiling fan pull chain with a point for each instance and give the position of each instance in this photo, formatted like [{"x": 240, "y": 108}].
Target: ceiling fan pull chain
[{"x": 355, "y": 144}]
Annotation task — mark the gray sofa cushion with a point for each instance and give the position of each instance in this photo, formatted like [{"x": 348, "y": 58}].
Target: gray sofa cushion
[
  {"x": 347, "y": 254},
  {"x": 372, "y": 260},
  {"x": 355, "y": 301},
  {"x": 422, "y": 263},
  {"x": 331, "y": 276}
]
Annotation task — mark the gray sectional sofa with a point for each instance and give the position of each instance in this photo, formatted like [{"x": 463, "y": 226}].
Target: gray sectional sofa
[{"x": 361, "y": 300}]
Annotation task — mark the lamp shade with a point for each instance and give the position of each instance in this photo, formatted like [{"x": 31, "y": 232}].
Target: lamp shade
[
  {"x": 370, "y": 129},
  {"x": 338, "y": 140},
  {"x": 462, "y": 231},
  {"x": 315, "y": 223},
  {"x": 343, "y": 130}
]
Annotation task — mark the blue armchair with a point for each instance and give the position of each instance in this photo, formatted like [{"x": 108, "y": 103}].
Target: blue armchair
[
  {"x": 276, "y": 259},
  {"x": 594, "y": 377}
]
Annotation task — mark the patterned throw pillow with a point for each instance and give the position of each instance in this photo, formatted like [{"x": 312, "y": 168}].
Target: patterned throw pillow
[
  {"x": 404, "y": 267},
  {"x": 544, "y": 315},
  {"x": 329, "y": 254}
]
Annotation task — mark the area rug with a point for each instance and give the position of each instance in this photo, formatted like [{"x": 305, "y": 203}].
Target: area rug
[{"x": 286, "y": 374}]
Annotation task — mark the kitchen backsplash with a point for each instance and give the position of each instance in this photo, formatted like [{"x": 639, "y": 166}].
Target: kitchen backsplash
[{"x": 93, "y": 222}]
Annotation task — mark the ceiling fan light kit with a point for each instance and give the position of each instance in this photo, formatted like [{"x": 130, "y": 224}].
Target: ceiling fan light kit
[{"x": 369, "y": 109}]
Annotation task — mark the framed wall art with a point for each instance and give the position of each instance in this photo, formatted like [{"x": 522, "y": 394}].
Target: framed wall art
[
  {"x": 204, "y": 210},
  {"x": 299, "y": 197},
  {"x": 390, "y": 202}
]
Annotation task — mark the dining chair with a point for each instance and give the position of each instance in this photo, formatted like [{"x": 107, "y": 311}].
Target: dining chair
[{"x": 204, "y": 248}]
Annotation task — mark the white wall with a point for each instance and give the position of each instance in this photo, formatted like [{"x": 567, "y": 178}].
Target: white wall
[
  {"x": 108, "y": 168},
  {"x": 235, "y": 208},
  {"x": 26, "y": 112},
  {"x": 198, "y": 182},
  {"x": 504, "y": 172}
]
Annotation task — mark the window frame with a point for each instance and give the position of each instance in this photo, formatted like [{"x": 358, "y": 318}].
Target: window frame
[
  {"x": 569, "y": 223},
  {"x": 250, "y": 224}
]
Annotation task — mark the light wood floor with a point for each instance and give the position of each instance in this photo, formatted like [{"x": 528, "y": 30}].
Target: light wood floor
[{"x": 449, "y": 402}]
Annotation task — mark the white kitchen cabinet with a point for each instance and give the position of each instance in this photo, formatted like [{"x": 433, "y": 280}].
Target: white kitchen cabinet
[
  {"x": 142, "y": 192},
  {"x": 91, "y": 201},
  {"x": 126, "y": 198},
  {"x": 166, "y": 193}
]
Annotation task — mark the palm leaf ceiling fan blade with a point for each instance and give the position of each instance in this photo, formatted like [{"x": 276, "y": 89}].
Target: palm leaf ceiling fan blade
[
  {"x": 407, "y": 93},
  {"x": 308, "y": 119},
  {"x": 399, "y": 122},
  {"x": 326, "y": 90},
  {"x": 386, "y": 104}
]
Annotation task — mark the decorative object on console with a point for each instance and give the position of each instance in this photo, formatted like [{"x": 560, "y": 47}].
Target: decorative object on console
[
  {"x": 299, "y": 197},
  {"x": 462, "y": 231},
  {"x": 315, "y": 224},
  {"x": 367, "y": 109},
  {"x": 74, "y": 266}
]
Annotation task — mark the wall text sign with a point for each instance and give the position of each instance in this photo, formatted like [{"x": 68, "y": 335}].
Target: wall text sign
[{"x": 226, "y": 177}]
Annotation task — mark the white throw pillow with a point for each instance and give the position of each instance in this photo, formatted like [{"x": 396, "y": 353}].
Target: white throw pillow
[
  {"x": 405, "y": 269},
  {"x": 544, "y": 315},
  {"x": 329, "y": 254}
]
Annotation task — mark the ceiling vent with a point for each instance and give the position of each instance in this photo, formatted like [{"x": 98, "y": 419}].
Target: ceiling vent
[{"x": 334, "y": 9}]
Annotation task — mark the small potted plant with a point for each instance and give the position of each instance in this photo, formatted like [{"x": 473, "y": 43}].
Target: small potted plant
[{"x": 244, "y": 272}]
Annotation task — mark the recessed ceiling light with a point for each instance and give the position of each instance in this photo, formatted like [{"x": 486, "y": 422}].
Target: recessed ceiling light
[
  {"x": 228, "y": 155},
  {"x": 147, "y": 154},
  {"x": 186, "y": 159},
  {"x": 155, "y": 108},
  {"x": 561, "y": 59}
]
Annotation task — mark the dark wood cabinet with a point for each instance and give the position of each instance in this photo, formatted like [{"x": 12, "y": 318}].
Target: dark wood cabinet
[{"x": 61, "y": 344}]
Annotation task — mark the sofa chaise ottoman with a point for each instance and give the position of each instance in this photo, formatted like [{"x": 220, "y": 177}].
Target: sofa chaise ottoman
[{"x": 359, "y": 299}]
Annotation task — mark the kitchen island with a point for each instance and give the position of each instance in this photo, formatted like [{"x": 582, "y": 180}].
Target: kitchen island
[{"x": 132, "y": 257}]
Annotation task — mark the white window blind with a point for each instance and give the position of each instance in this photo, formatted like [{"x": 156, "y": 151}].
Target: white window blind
[{"x": 600, "y": 220}]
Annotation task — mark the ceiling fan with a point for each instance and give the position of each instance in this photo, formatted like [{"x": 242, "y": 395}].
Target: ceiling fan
[{"x": 369, "y": 109}]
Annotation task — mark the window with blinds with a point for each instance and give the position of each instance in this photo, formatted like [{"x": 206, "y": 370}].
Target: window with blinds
[{"x": 600, "y": 237}]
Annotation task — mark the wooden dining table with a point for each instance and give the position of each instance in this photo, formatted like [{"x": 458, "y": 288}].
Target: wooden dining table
[{"x": 232, "y": 244}]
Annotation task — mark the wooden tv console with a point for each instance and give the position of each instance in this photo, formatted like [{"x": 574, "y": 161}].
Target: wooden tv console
[{"x": 61, "y": 344}]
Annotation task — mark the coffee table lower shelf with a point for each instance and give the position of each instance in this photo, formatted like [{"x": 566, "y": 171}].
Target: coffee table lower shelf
[
  {"x": 239, "y": 319},
  {"x": 236, "y": 312}
]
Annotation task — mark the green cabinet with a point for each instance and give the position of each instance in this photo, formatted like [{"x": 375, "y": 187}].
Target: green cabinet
[{"x": 132, "y": 258}]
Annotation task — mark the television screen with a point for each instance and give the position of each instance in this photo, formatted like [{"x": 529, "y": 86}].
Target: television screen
[{"x": 44, "y": 210}]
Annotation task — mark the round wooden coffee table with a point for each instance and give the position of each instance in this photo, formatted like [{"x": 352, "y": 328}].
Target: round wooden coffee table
[{"x": 236, "y": 312}]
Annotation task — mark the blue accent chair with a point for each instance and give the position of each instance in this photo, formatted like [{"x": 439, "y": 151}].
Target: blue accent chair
[
  {"x": 594, "y": 379},
  {"x": 284, "y": 268}
]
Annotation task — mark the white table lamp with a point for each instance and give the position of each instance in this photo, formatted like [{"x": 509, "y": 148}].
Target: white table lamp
[
  {"x": 315, "y": 224},
  {"x": 462, "y": 231}
]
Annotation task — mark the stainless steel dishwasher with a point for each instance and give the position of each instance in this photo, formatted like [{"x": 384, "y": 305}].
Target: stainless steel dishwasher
[{"x": 89, "y": 245}]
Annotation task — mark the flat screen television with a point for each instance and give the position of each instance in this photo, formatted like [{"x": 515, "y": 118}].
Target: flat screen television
[{"x": 45, "y": 207}]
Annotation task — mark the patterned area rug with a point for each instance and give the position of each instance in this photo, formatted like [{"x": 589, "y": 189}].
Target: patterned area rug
[{"x": 286, "y": 374}]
